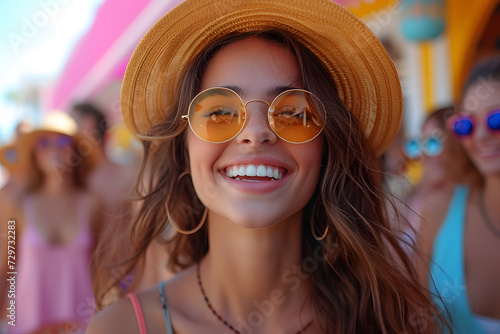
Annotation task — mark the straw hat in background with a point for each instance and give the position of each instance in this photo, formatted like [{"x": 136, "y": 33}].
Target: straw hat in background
[
  {"x": 364, "y": 74},
  {"x": 18, "y": 155}
]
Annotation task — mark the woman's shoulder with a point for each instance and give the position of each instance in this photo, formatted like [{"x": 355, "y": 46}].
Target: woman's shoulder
[
  {"x": 121, "y": 317},
  {"x": 116, "y": 318},
  {"x": 435, "y": 210},
  {"x": 183, "y": 305},
  {"x": 182, "y": 293},
  {"x": 435, "y": 203}
]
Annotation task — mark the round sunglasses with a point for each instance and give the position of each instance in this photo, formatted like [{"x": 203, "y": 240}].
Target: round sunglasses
[
  {"x": 58, "y": 141},
  {"x": 462, "y": 125},
  {"x": 431, "y": 146},
  {"x": 218, "y": 114}
]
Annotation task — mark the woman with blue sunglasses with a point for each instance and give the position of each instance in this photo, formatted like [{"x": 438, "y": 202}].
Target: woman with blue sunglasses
[{"x": 463, "y": 233}]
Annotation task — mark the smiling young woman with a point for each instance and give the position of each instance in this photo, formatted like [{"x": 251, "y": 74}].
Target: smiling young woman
[{"x": 262, "y": 144}]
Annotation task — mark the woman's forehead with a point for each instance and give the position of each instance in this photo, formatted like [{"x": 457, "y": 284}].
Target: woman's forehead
[
  {"x": 482, "y": 96},
  {"x": 252, "y": 64}
]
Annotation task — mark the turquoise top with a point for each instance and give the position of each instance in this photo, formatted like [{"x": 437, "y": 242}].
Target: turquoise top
[{"x": 447, "y": 267}]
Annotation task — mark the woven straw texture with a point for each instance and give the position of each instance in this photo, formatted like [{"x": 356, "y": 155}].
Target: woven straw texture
[{"x": 365, "y": 76}]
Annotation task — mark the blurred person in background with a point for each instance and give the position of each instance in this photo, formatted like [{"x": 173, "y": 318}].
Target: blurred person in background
[
  {"x": 461, "y": 233},
  {"x": 444, "y": 161},
  {"x": 444, "y": 164},
  {"x": 112, "y": 183},
  {"x": 56, "y": 224},
  {"x": 108, "y": 180},
  {"x": 399, "y": 187},
  {"x": 396, "y": 164}
]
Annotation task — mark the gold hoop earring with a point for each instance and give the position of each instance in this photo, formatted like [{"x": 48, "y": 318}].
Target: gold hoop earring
[
  {"x": 172, "y": 221},
  {"x": 194, "y": 230},
  {"x": 322, "y": 236}
]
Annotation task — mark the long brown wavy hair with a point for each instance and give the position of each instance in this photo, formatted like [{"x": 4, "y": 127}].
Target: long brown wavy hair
[{"x": 365, "y": 282}]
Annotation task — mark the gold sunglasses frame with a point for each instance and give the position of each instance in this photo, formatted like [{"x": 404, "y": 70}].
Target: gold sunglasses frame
[{"x": 269, "y": 111}]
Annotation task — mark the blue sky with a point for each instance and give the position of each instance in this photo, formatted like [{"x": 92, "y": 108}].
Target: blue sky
[{"x": 36, "y": 39}]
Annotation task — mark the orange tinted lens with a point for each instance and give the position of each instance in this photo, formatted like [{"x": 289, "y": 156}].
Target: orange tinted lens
[
  {"x": 216, "y": 115},
  {"x": 296, "y": 116}
]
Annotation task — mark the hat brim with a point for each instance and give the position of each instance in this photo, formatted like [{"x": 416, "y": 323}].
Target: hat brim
[
  {"x": 10, "y": 157},
  {"x": 366, "y": 79},
  {"x": 26, "y": 143}
]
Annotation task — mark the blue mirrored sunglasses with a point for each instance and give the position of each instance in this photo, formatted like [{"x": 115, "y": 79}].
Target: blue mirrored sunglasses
[
  {"x": 462, "y": 125},
  {"x": 58, "y": 141}
]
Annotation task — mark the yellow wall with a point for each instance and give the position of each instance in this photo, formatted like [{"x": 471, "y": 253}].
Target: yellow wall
[
  {"x": 363, "y": 8},
  {"x": 466, "y": 21}
]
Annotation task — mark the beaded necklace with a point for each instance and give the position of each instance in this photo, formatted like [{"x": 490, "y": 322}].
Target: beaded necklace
[{"x": 231, "y": 327}]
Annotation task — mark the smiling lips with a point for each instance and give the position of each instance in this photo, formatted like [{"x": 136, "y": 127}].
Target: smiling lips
[{"x": 255, "y": 173}]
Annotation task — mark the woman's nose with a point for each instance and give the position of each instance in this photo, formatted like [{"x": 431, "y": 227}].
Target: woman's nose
[
  {"x": 256, "y": 131},
  {"x": 481, "y": 131}
]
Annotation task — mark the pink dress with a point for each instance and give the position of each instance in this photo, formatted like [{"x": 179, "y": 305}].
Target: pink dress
[{"x": 53, "y": 281}]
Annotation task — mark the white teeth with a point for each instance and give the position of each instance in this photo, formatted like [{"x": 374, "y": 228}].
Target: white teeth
[
  {"x": 269, "y": 172},
  {"x": 254, "y": 170},
  {"x": 251, "y": 170},
  {"x": 261, "y": 171}
]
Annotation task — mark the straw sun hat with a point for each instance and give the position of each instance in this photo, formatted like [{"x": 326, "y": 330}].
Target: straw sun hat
[
  {"x": 364, "y": 74},
  {"x": 16, "y": 156}
]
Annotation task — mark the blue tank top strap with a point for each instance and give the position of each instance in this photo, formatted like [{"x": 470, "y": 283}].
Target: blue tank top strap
[{"x": 166, "y": 315}]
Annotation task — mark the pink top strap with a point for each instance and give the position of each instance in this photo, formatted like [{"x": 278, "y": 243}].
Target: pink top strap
[{"x": 138, "y": 312}]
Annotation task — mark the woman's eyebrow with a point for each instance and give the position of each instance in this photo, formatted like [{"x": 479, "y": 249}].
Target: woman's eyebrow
[
  {"x": 270, "y": 93},
  {"x": 492, "y": 107},
  {"x": 238, "y": 90},
  {"x": 273, "y": 92}
]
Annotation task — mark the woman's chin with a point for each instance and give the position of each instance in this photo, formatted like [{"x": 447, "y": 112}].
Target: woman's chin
[{"x": 262, "y": 219}]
